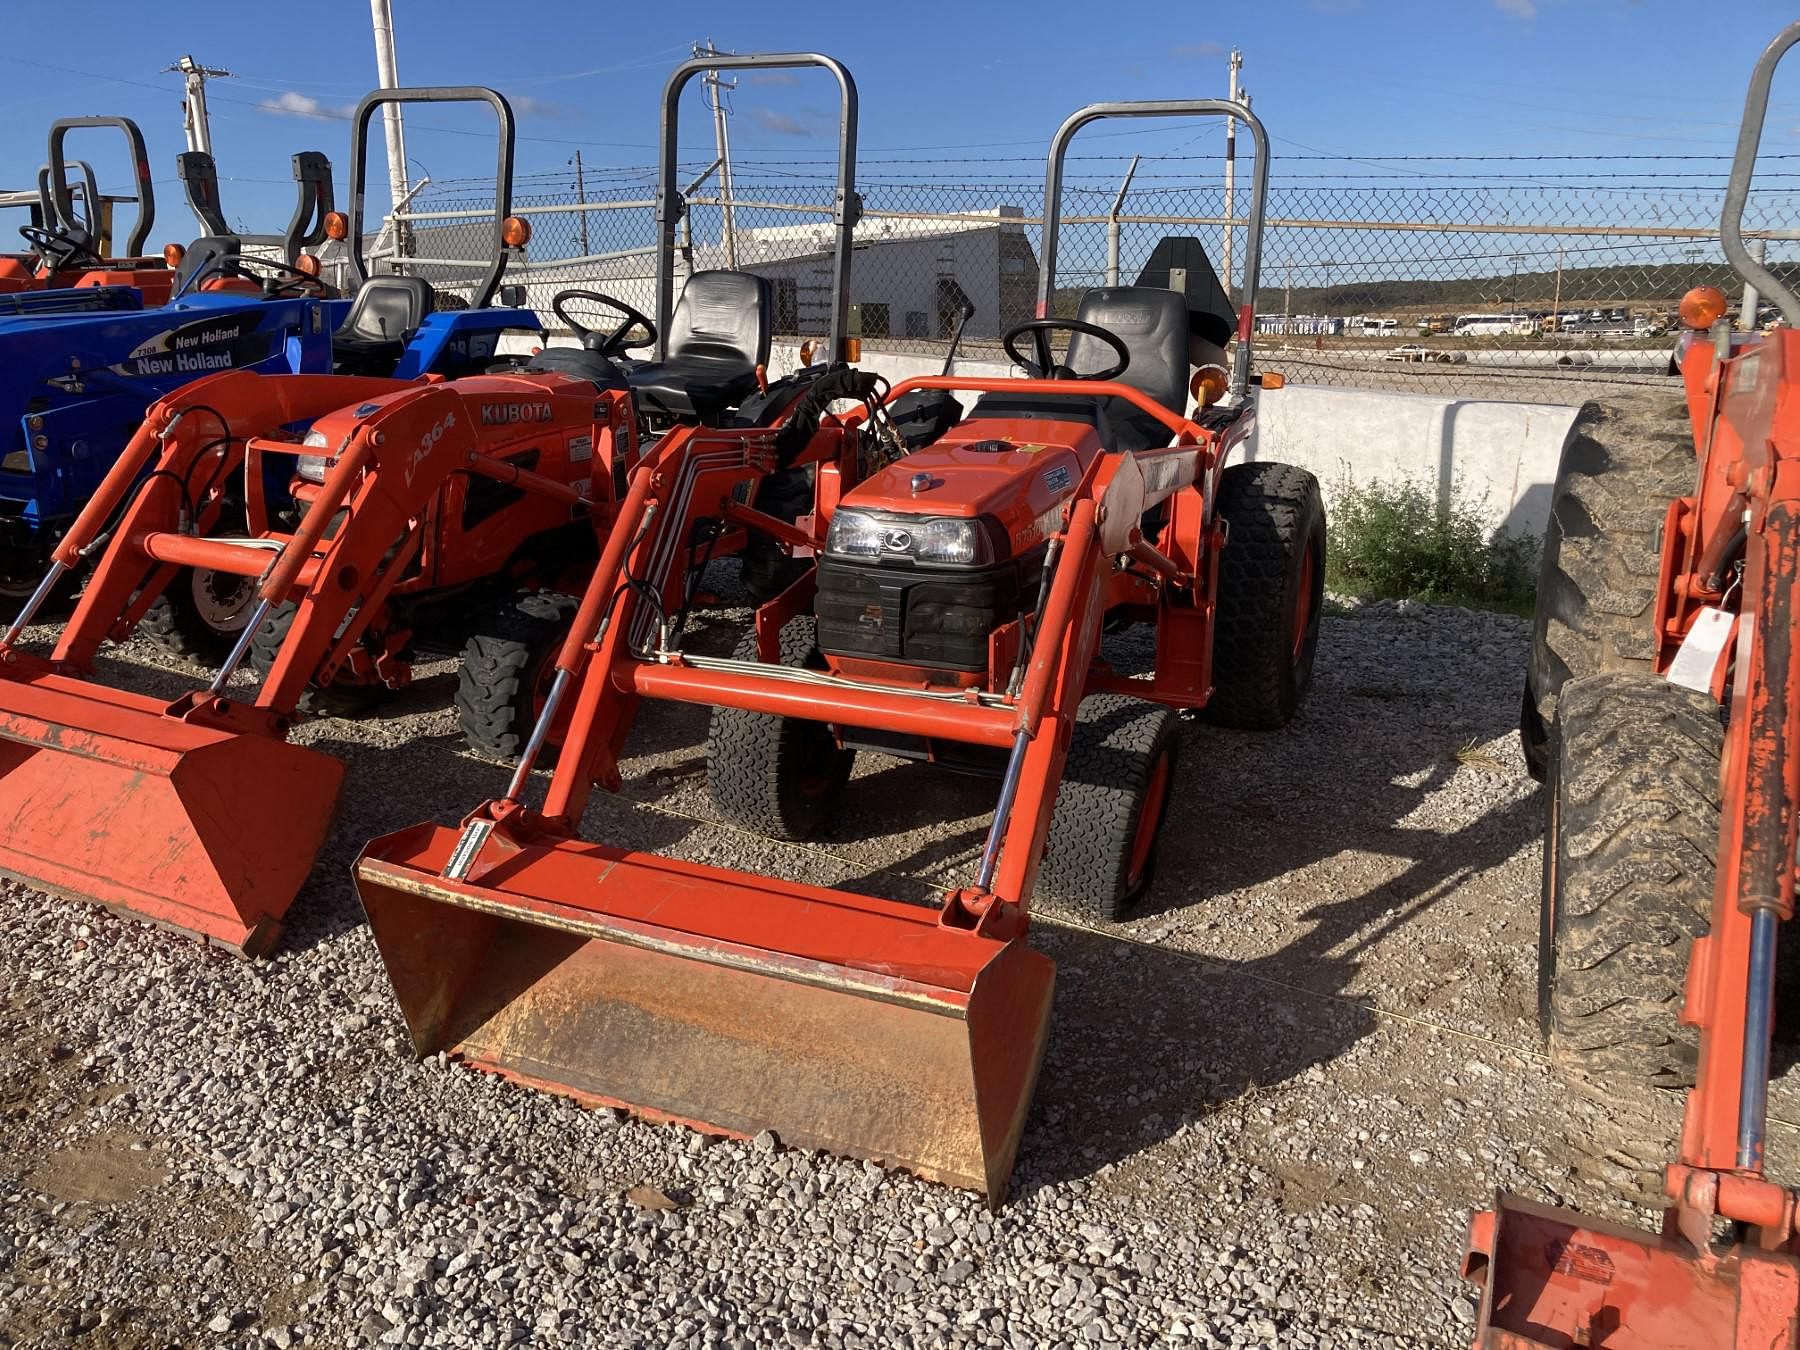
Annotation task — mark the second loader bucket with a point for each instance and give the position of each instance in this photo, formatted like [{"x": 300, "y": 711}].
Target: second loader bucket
[
  {"x": 107, "y": 797},
  {"x": 728, "y": 1002}
]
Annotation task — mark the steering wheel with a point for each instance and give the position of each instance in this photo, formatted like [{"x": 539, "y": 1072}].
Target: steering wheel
[
  {"x": 613, "y": 343},
  {"x": 1045, "y": 367},
  {"x": 291, "y": 281},
  {"x": 59, "y": 250}
]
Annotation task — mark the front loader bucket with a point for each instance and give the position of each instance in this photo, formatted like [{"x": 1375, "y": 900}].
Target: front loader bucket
[
  {"x": 727, "y": 1002},
  {"x": 109, "y": 798},
  {"x": 1551, "y": 1280}
]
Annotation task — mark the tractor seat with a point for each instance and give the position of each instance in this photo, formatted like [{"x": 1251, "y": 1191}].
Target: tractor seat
[
  {"x": 1153, "y": 325},
  {"x": 581, "y": 364},
  {"x": 209, "y": 256},
  {"x": 717, "y": 338},
  {"x": 383, "y": 316}
]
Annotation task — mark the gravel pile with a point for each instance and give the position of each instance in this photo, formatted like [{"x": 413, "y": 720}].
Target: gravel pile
[{"x": 1269, "y": 1101}]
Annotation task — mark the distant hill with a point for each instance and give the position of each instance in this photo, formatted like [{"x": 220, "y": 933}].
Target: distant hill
[{"x": 1628, "y": 285}]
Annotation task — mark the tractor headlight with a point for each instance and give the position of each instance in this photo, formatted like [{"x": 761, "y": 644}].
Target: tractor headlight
[
  {"x": 311, "y": 468},
  {"x": 944, "y": 540},
  {"x": 854, "y": 534}
]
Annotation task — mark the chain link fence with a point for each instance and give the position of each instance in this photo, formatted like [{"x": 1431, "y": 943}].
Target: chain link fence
[{"x": 1539, "y": 278}]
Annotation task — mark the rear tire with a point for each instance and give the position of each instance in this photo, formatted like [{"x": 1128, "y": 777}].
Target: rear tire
[
  {"x": 1110, "y": 805},
  {"x": 505, "y": 665},
  {"x": 1633, "y": 828},
  {"x": 782, "y": 777},
  {"x": 1623, "y": 465},
  {"x": 332, "y": 700},
  {"x": 1271, "y": 591},
  {"x": 200, "y": 614}
]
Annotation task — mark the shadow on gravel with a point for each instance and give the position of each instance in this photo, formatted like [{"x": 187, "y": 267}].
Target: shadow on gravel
[
  {"x": 390, "y": 787},
  {"x": 1145, "y": 1040}
]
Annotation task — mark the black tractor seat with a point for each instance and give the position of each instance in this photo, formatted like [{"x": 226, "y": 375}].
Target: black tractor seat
[
  {"x": 718, "y": 336},
  {"x": 383, "y": 316},
  {"x": 1153, "y": 325},
  {"x": 213, "y": 253}
]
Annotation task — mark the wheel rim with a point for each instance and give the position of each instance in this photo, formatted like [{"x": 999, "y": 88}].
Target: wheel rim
[
  {"x": 222, "y": 601},
  {"x": 1303, "y": 600},
  {"x": 1149, "y": 821}
]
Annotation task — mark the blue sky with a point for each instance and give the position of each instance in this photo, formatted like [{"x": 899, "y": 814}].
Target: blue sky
[{"x": 1362, "y": 78}]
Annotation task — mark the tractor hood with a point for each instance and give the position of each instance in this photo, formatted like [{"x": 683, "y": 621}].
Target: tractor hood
[{"x": 1015, "y": 480}]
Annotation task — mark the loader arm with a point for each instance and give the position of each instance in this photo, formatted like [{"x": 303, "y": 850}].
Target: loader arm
[
  {"x": 906, "y": 1033},
  {"x": 197, "y": 813}
]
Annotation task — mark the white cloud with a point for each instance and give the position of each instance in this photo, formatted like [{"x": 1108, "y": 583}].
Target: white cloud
[
  {"x": 526, "y": 105},
  {"x": 293, "y": 104},
  {"x": 1519, "y": 9},
  {"x": 780, "y": 123}
]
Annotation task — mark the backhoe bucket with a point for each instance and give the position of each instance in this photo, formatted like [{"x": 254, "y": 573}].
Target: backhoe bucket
[
  {"x": 723, "y": 1001},
  {"x": 1551, "y": 1280},
  {"x": 107, "y": 797}
]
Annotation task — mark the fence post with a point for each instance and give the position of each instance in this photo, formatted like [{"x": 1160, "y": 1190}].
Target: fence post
[
  {"x": 1112, "y": 226},
  {"x": 1759, "y": 249}
]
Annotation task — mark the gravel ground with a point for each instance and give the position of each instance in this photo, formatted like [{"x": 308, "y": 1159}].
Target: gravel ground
[{"x": 1268, "y": 1105}]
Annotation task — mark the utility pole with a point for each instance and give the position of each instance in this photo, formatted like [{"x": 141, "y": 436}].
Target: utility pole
[
  {"x": 1556, "y": 300},
  {"x": 1237, "y": 64},
  {"x": 387, "y": 76},
  {"x": 193, "y": 108},
  {"x": 581, "y": 198},
  {"x": 716, "y": 88}
]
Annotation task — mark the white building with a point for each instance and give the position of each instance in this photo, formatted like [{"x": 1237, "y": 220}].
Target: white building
[{"x": 909, "y": 277}]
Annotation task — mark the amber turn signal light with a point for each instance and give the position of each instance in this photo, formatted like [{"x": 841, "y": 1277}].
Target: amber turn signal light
[
  {"x": 515, "y": 232},
  {"x": 1207, "y": 386},
  {"x": 1703, "y": 306},
  {"x": 173, "y": 254},
  {"x": 337, "y": 225}
]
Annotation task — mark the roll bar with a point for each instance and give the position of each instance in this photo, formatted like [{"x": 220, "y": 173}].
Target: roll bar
[
  {"x": 91, "y": 206},
  {"x": 846, "y": 206},
  {"x": 1743, "y": 165},
  {"x": 503, "y": 170},
  {"x": 306, "y": 228},
  {"x": 199, "y": 174},
  {"x": 1195, "y": 107},
  {"x": 61, "y": 205}
]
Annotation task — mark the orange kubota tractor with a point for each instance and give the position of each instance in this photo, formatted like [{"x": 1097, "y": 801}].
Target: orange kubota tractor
[
  {"x": 406, "y": 504},
  {"x": 954, "y": 612},
  {"x": 1664, "y": 719}
]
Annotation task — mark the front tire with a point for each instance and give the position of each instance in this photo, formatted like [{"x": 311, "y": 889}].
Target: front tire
[
  {"x": 782, "y": 777},
  {"x": 507, "y": 665},
  {"x": 1116, "y": 782},
  {"x": 337, "y": 699},
  {"x": 200, "y": 614}
]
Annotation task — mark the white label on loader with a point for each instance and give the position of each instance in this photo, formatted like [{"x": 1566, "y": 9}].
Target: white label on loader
[
  {"x": 1701, "y": 651},
  {"x": 462, "y": 858}
]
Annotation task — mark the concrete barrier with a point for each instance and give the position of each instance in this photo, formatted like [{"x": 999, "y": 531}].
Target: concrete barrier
[{"x": 1499, "y": 458}]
